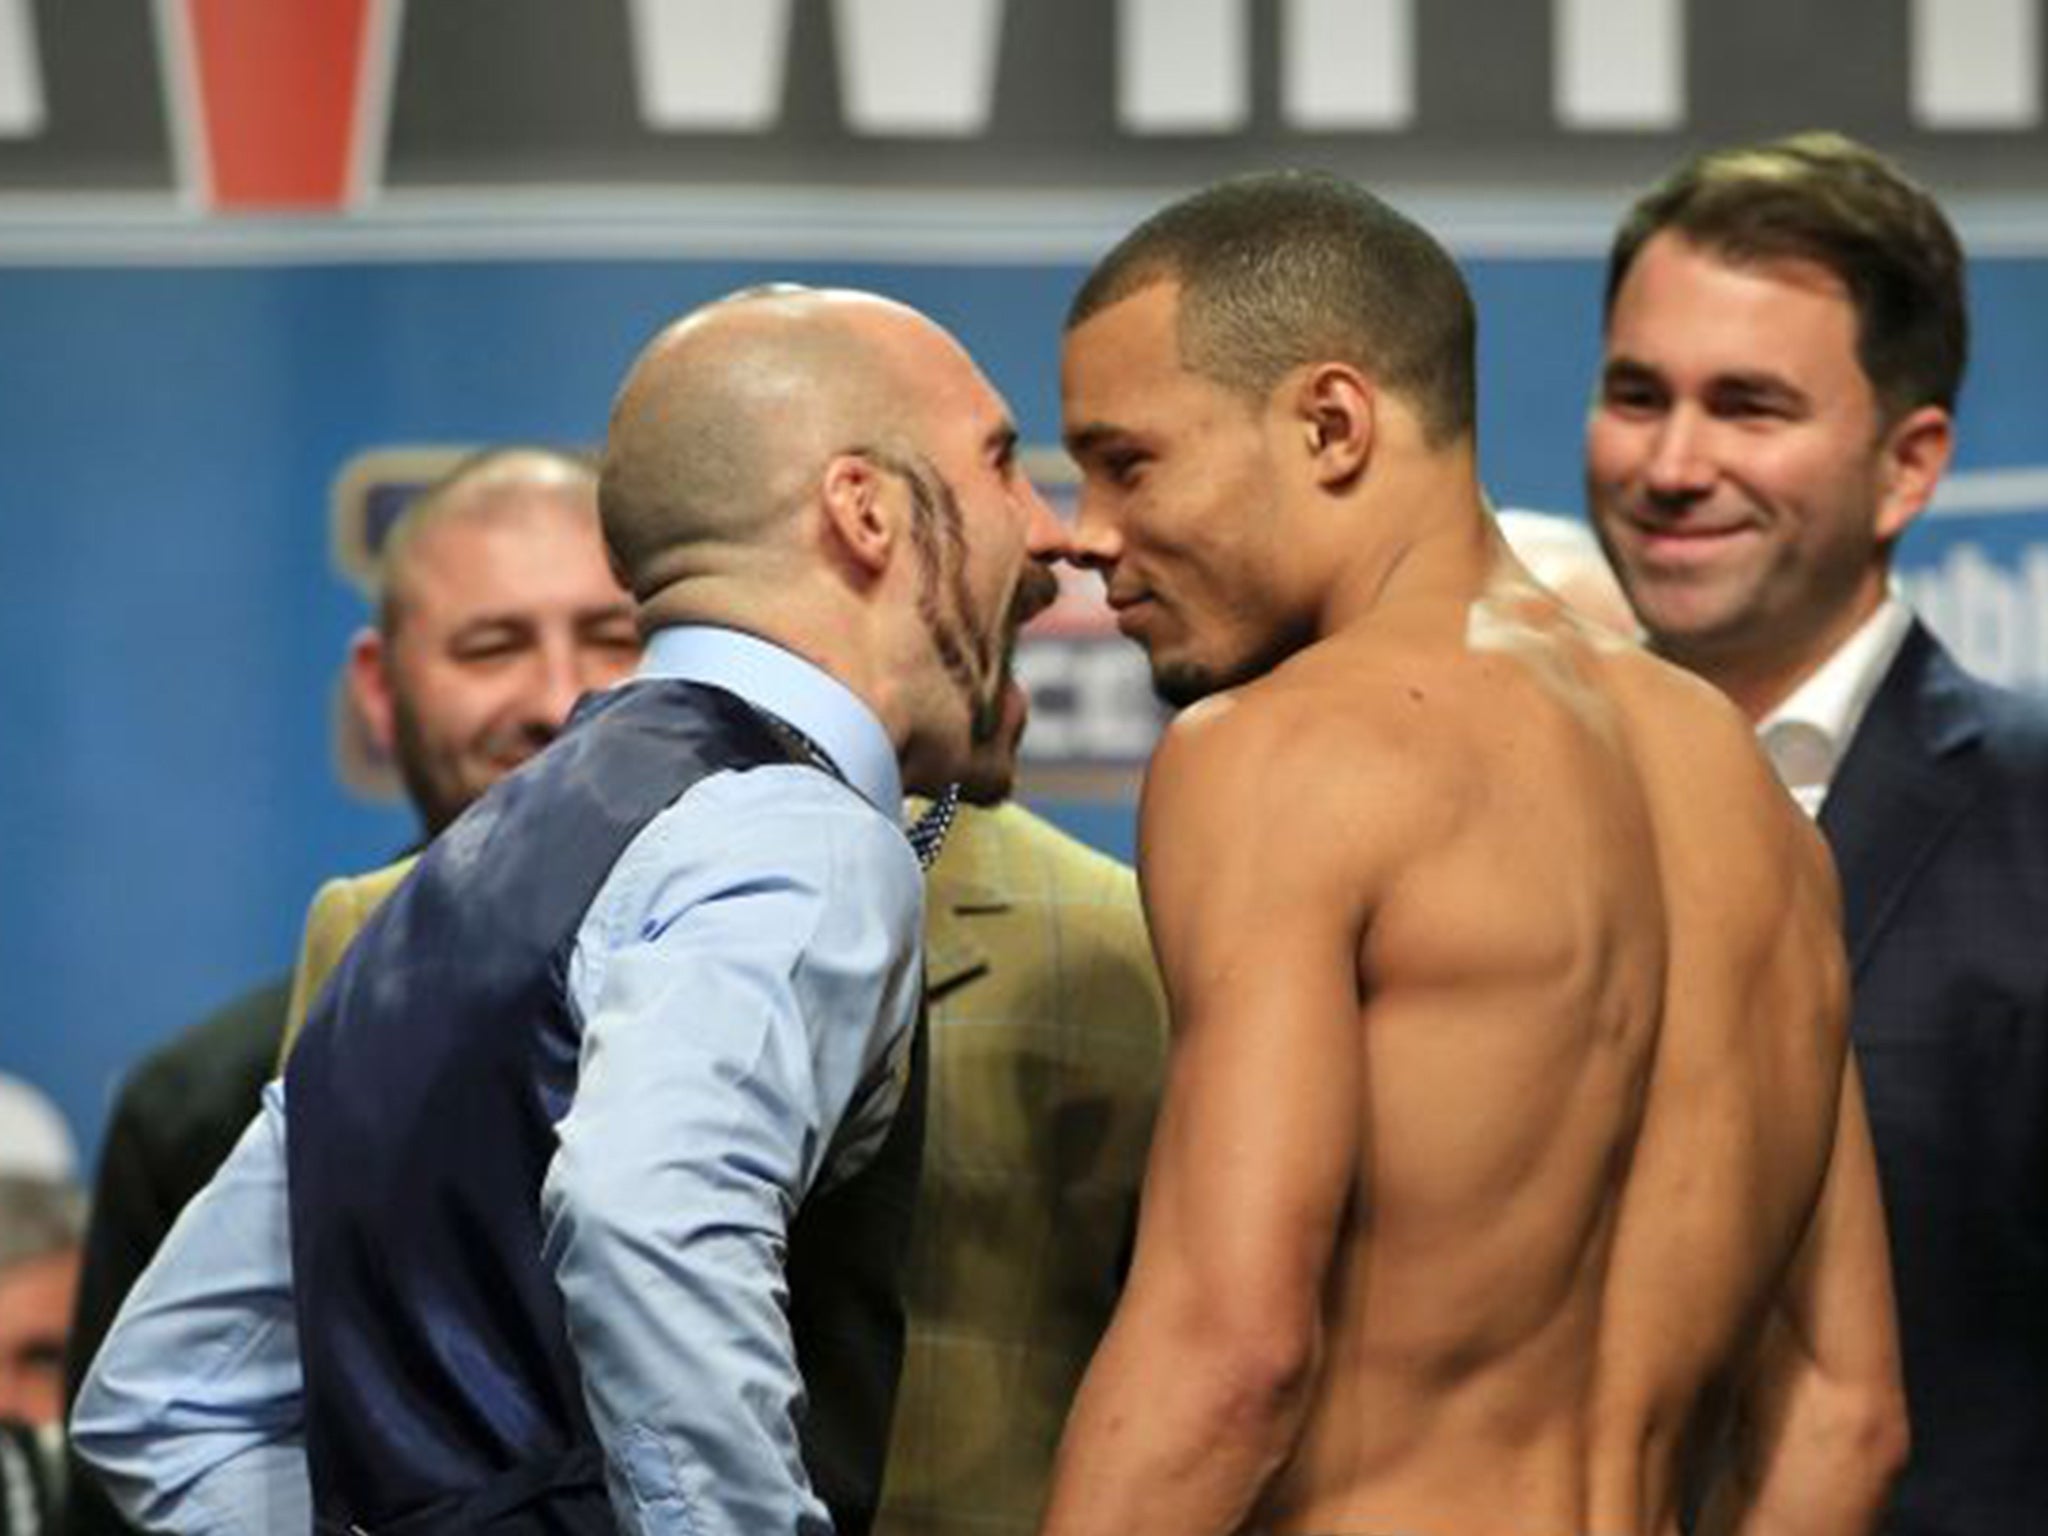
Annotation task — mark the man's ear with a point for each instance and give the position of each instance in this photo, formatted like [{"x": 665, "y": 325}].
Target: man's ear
[
  {"x": 369, "y": 687},
  {"x": 1915, "y": 454},
  {"x": 856, "y": 510},
  {"x": 621, "y": 577},
  {"x": 1333, "y": 406}
]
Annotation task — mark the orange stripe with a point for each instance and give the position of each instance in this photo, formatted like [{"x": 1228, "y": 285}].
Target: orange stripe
[{"x": 277, "y": 91}]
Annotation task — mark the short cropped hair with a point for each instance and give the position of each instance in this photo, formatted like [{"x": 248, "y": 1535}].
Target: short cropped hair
[
  {"x": 1825, "y": 199},
  {"x": 1288, "y": 268},
  {"x": 447, "y": 494},
  {"x": 38, "y": 1217}
]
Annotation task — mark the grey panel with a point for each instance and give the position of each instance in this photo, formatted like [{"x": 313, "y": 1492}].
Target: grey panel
[
  {"x": 505, "y": 91},
  {"x": 510, "y": 92},
  {"x": 1768, "y": 66},
  {"x": 102, "y": 83}
]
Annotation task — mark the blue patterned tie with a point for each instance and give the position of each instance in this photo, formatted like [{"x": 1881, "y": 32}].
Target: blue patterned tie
[{"x": 928, "y": 833}]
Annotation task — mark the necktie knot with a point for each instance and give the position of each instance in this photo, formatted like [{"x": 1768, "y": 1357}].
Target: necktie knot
[{"x": 928, "y": 833}]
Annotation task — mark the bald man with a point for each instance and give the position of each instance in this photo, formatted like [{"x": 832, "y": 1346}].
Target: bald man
[
  {"x": 496, "y": 611},
  {"x": 626, "y": 1045}
]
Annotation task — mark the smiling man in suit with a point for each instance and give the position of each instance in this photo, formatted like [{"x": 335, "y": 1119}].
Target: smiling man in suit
[{"x": 1785, "y": 339}]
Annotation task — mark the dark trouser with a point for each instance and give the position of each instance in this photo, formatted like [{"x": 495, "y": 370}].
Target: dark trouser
[{"x": 562, "y": 1498}]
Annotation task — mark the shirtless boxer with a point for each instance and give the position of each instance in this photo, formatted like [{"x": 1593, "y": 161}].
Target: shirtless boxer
[{"x": 1501, "y": 1119}]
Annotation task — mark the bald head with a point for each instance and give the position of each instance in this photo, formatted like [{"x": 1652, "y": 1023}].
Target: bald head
[
  {"x": 498, "y": 609},
  {"x": 497, "y": 483},
  {"x": 726, "y": 418}
]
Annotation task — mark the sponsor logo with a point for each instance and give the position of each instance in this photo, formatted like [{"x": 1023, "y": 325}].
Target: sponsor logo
[{"x": 1976, "y": 569}]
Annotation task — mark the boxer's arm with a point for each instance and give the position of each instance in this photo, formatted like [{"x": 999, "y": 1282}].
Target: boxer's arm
[
  {"x": 1256, "y": 897},
  {"x": 1821, "y": 1429}
]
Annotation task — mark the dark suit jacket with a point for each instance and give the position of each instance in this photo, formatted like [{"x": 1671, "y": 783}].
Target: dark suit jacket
[
  {"x": 1938, "y": 819},
  {"x": 177, "y": 1118}
]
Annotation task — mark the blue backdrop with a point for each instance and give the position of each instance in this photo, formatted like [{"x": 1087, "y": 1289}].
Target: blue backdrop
[{"x": 171, "y": 621}]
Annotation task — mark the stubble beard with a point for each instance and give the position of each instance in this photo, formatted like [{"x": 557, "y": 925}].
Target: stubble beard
[
  {"x": 437, "y": 803},
  {"x": 1181, "y": 681}
]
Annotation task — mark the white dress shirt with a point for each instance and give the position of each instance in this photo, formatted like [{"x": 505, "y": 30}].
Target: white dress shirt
[{"x": 1805, "y": 736}]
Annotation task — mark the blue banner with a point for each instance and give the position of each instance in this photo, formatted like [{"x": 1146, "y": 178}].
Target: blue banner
[{"x": 173, "y": 609}]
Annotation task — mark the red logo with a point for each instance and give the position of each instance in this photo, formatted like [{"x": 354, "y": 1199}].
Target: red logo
[{"x": 282, "y": 95}]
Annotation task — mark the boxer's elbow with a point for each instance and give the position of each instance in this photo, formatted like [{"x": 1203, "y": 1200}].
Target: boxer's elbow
[
  {"x": 1266, "y": 1388},
  {"x": 1258, "y": 1365},
  {"x": 1862, "y": 1423},
  {"x": 1837, "y": 1460},
  {"x": 1876, "y": 1434}
]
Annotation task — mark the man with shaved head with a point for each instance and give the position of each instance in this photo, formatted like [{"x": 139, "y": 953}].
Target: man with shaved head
[
  {"x": 496, "y": 611},
  {"x": 582, "y": 1179}
]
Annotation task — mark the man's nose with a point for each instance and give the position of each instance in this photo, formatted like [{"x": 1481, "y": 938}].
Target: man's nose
[
  {"x": 1046, "y": 535},
  {"x": 1094, "y": 542},
  {"x": 562, "y": 674},
  {"x": 1681, "y": 464}
]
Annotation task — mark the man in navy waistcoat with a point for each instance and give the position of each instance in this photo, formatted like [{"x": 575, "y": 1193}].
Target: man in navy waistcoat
[{"x": 582, "y": 1178}]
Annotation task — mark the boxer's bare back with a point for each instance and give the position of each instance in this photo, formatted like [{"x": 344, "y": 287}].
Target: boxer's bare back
[
  {"x": 1510, "y": 1013},
  {"x": 1507, "y": 1123}
]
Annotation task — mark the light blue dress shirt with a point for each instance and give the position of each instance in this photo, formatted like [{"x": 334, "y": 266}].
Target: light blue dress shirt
[{"x": 781, "y": 915}]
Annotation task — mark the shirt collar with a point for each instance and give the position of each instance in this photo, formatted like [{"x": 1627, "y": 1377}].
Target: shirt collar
[
  {"x": 1806, "y": 735},
  {"x": 794, "y": 690}
]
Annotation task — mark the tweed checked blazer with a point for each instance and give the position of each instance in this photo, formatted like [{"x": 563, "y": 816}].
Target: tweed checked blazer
[
  {"x": 340, "y": 908},
  {"x": 1048, "y": 1041}
]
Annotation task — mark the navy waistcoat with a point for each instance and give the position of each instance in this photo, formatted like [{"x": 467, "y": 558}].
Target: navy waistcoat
[{"x": 441, "y": 1393}]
